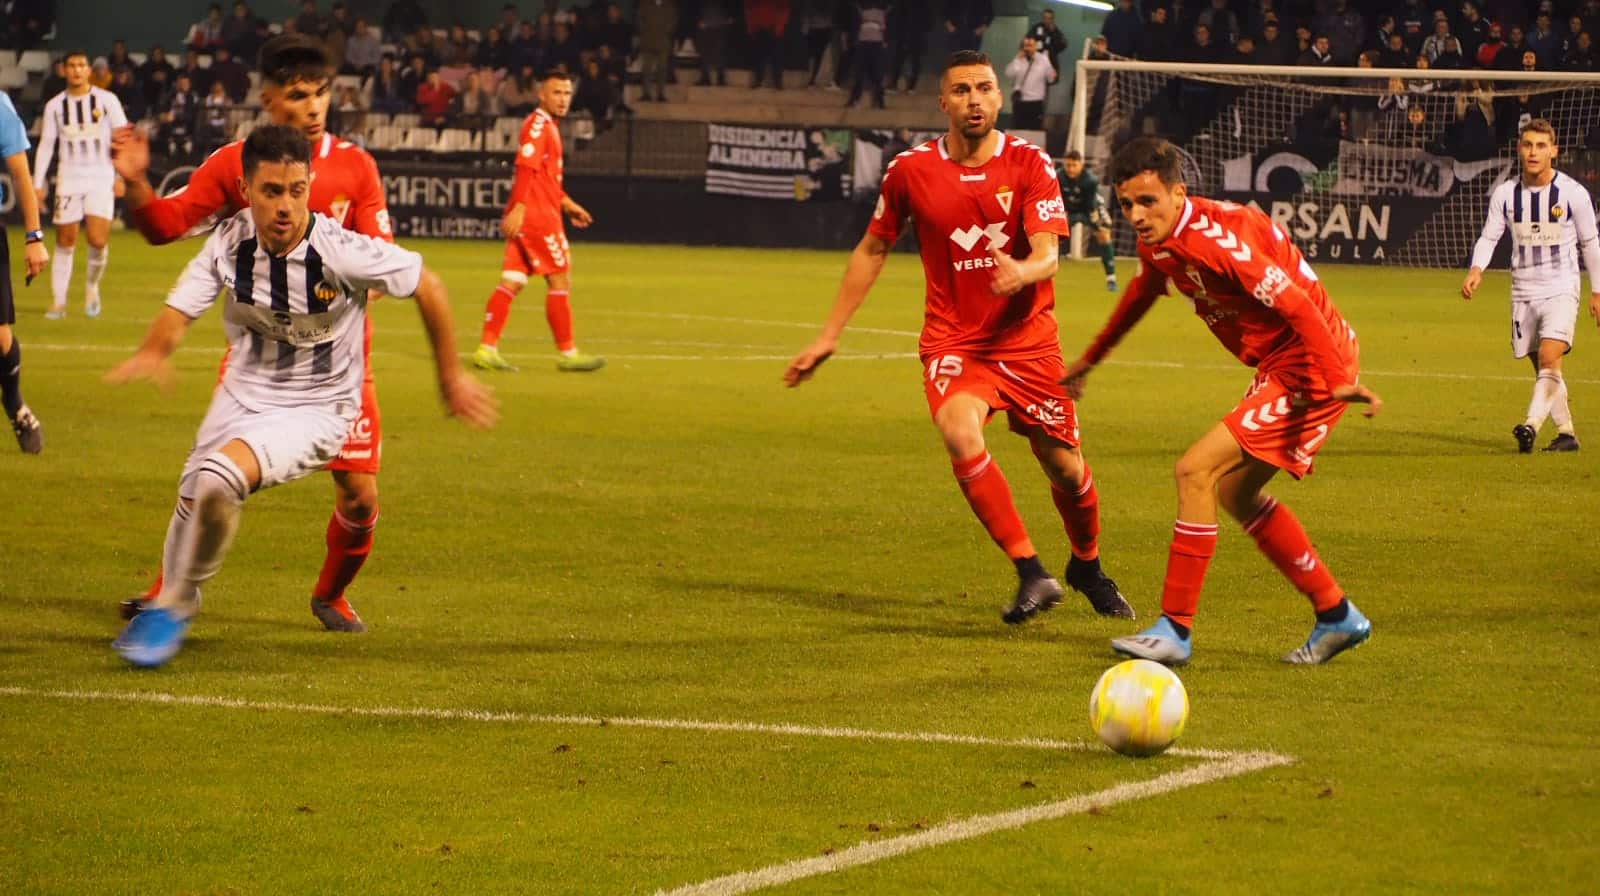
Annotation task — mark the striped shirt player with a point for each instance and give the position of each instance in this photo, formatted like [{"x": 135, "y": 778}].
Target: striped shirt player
[
  {"x": 1551, "y": 225},
  {"x": 294, "y": 286},
  {"x": 1551, "y": 219},
  {"x": 75, "y": 133}
]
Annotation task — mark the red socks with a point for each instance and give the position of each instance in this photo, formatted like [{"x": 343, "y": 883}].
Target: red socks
[
  {"x": 1193, "y": 546},
  {"x": 990, "y": 497},
  {"x": 496, "y": 315},
  {"x": 349, "y": 543},
  {"x": 1280, "y": 536},
  {"x": 558, "y": 311},
  {"x": 1080, "y": 514}
]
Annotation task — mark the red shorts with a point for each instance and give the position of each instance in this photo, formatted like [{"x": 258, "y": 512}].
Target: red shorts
[
  {"x": 542, "y": 253},
  {"x": 1030, "y": 392},
  {"x": 363, "y": 445},
  {"x": 1283, "y": 427}
]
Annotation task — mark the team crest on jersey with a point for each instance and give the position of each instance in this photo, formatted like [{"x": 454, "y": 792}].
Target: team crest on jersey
[
  {"x": 1003, "y": 196},
  {"x": 339, "y": 207},
  {"x": 1555, "y": 212},
  {"x": 326, "y": 292}
]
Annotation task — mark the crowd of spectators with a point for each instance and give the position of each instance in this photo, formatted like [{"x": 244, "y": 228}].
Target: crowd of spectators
[
  {"x": 1439, "y": 34},
  {"x": 456, "y": 75}
]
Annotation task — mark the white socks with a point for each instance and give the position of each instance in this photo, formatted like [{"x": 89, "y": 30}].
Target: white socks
[
  {"x": 61, "y": 275},
  {"x": 97, "y": 266},
  {"x": 202, "y": 528},
  {"x": 1560, "y": 413},
  {"x": 1545, "y": 390}
]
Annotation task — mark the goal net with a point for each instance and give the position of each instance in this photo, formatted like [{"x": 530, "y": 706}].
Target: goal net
[{"x": 1375, "y": 166}]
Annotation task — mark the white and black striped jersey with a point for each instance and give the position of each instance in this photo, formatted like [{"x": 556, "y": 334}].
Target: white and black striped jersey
[
  {"x": 294, "y": 323},
  {"x": 1550, "y": 226},
  {"x": 82, "y": 126}
]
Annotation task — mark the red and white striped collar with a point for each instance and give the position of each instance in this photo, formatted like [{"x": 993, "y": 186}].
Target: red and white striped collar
[
  {"x": 1188, "y": 210},
  {"x": 326, "y": 145}
]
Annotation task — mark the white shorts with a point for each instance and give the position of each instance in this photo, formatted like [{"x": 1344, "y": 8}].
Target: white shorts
[
  {"x": 288, "y": 442},
  {"x": 1552, "y": 318},
  {"x": 73, "y": 207}
]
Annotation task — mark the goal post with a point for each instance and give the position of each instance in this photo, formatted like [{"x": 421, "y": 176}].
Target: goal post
[{"x": 1363, "y": 165}]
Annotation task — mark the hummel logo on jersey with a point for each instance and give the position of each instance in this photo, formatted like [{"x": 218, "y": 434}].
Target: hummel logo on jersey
[
  {"x": 1159, "y": 256},
  {"x": 973, "y": 177},
  {"x": 1306, "y": 562},
  {"x": 968, "y": 237}
]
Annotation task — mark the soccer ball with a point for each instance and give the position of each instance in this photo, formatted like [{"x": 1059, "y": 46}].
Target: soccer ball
[{"x": 1138, "y": 708}]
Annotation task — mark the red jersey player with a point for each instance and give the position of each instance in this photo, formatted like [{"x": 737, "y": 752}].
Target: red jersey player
[
  {"x": 536, "y": 240},
  {"x": 988, "y": 213},
  {"x": 295, "y": 90},
  {"x": 1263, "y": 302}
]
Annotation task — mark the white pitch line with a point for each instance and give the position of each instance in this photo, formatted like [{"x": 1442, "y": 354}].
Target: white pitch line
[
  {"x": 474, "y": 715},
  {"x": 754, "y": 322},
  {"x": 870, "y": 851}
]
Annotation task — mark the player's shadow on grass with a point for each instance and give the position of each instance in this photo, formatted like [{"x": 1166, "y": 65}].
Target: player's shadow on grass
[{"x": 1393, "y": 444}]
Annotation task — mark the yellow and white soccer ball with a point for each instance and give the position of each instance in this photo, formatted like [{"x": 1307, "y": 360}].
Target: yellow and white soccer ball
[{"x": 1138, "y": 708}]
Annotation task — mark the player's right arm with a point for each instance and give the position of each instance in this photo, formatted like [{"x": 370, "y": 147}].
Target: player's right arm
[
  {"x": 1143, "y": 290},
  {"x": 1494, "y": 226},
  {"x": 163, "y": 219},
  {"x": 47, "y": 148},
  {"x": 866, "y": 263},
  {"x": 197, "y": 290}
]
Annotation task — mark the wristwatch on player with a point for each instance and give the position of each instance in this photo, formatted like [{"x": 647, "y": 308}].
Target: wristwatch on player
[{"x": 35, "y": 236}]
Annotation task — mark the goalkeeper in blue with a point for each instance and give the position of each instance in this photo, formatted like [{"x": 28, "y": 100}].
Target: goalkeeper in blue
[{"x": 1080, "y": 190}]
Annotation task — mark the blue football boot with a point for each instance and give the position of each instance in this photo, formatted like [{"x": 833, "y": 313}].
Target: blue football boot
[
  {"x": 1329, "y": 639},
  {"x": 1160, "y": 642}
]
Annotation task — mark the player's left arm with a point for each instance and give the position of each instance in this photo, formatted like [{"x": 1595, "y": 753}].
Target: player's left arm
[
  {"x": 1272, "y": 286},
  {"x": 463, "y": 395},
  {"x": 1044, "y": 221},
  {"x": 580, "y": 216},
  {"x": 370, "y": 264},
  {"x": 1583, "y": 219}
]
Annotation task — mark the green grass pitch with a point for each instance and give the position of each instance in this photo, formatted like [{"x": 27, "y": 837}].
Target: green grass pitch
[{"x": 679, "y": 538}]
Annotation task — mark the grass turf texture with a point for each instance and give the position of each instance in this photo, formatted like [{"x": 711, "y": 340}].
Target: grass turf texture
[{"x": 680, "y": 537}]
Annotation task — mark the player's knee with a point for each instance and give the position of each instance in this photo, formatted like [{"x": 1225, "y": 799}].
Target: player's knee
[
  {"x": 218, "y": 488},
  {"x": 358, "y": 499},
  {"x": 512, "y": 286},
  {"x": 66, "y": 240},
  {"x": 961, "y": 439},
  {"x": 1194, "y": 474}
]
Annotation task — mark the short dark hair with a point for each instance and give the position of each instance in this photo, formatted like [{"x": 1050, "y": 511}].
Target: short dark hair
[
  {"x": 75, "y": 52},
  {"x": 558, "y": 73},
  {"x": 967, "y": 57},
  {"x": 275, "y": 143},
  {"x": 1072, "y": 156},
  {"x": 287, "y": 58},
  {"x": 1143, "y": 154}
]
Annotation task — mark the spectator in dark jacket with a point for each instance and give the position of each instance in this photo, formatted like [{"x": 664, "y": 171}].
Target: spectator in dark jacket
[
  {"x": 1320, "y": 53},
  {"x": 178, "y": 112},
  {"x": 493, "y": 51},
  {"x": 1048, "y": 35},
  {"x": 1509, "y": 58},
  {"x": 1582, "y": 57},
  {"x": 657, "y": 21},
  {"x": 1346, "y": 31},
  {"x": 1123, "y": 30},
  {"x": 128, "y": 91},
  {"x": 1274, "y": 47},
  {"x": 1160, "y": 41},
  {"x": 965, "y": 21},
  {"x": 239, "y": 26},
  {"x": 1473, "y": 30},
  {"x": 1220, "y": 19},
  {"x": 199, "y": 78},
  {"x": 1450, "y": 58},
  {"x": 231, "y": 74},
  {"x": 384, "y": 91},
  {"x": 909, "y": 23},
  {"x": 403, "y": 19}
]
